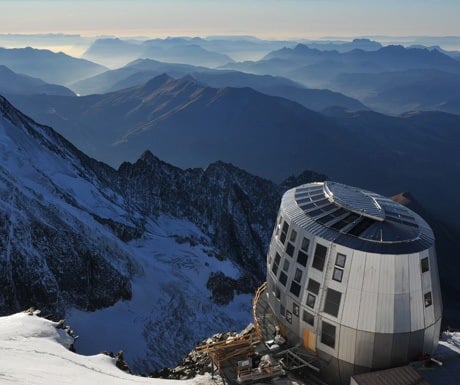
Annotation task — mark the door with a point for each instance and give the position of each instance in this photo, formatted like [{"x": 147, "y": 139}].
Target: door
[{"x": 309, "y": 340}]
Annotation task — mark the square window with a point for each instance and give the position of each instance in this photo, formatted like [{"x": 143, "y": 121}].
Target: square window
[
  {"x": 305, "y": 244},
  {"x": 425, "y": 265},
  {"x": 313, "y": 286},
  {"x": 286, "y": 265},
  {"x": 311, "y": 300},
  {"x": 295, "y": 288},
  {"x": 282, "y": 310},
  {"x": 337, "y": 275},
  {"x": 276, "y": 263},
  {"x": 283, "y": 278},
  {"x": 320, "y": 257},
  {"x": 290, "y": 249},
  {"x": 328, "y": 334},
  {"x": 295, "y": 309},
  {"x": 293, "y": 236},
  {"x": 298, "y": 275},
  {"x": 308, "y": 318},
  {"x": 428, "y": 300},
  {"x": 277, "y": 292},
  {"x": 302, "y": 258},
  {"x": 332, "y": 303},
  {"x": 288, "y": 316},
  {"x": 284, "y": 232},
  {"x": 340, "y": 260}
]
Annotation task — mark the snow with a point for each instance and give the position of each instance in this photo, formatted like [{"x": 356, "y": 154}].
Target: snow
[{"x": 34, "y": 352}]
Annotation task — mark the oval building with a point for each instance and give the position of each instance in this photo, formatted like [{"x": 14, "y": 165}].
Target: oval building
[{"x": 353, "y": 277}]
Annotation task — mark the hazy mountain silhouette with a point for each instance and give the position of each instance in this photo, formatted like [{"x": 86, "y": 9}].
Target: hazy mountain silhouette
[
  {"x": 57, "y": 68},
  {"x": 13, "y": 83},
  {"x": 142, "y": 70},
  {"x": 189, "y": 124},
  {"x": 344, "y": 46},
  {"x": 116, "y": 52}
]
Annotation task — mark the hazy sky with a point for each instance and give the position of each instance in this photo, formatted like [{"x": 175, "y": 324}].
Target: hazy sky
[{"x": 264, "y": 18}]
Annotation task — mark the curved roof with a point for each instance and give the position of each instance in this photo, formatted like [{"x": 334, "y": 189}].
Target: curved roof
[{"x": 357, "y": 218}]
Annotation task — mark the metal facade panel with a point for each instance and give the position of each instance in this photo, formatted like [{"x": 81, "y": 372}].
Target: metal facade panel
[
  {"x": 436, "y": 286},
  {"x": 347, "y": 344},
  {"x": 357, "y": 267},
  {"x": 429, "y": 315},
  {"x": 428, "y": 342},
  {"x": 385, "y": 308},
  {"x": 415, "y": 272},
  {"x": 368, "y": 312},
  {"x": 364, "y": 349},
  {"x": 351, "y": 304},
  {"x": 426, "y": 277},
  {"x": 401, "y": 274},
  {"x": 402, "y": 320},
  {"x": 417, "y": 312},
  {"x": 387, "y": 274},
  {"x": 416, "y": 344},
  {"x": 371, "y": 273},
  {"x": 400, "y": 349},
  {"x": 382, "y": 350}
]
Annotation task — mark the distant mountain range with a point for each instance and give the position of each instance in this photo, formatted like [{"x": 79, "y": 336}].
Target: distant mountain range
[
  {"x": 191, "y": 125},
  {"x": 55, "y": 68},
  {"x": 13, "y": 83}
]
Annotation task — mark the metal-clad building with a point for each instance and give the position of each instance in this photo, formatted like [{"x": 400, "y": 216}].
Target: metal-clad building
[{"x": 353, "y": 276}]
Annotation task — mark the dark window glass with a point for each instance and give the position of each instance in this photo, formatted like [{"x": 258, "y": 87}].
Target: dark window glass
[
  {"x": 293, "y": 236},
  {"x": 332, "y": 304},
  {"x": 290, "y": 249},
  {"x": 311, "y": 300},
  {"x": 288, "y": 316},
  {"x": 340, "y": 260},
  {"x": 320, "y": 257},
  {"x": 302, "y": 258},
  {"x": 328, "y": 334},
  {"x": 276, "y": 264},
  {"x": 295, "y": 288},
  {"x": 425, "y": 265},
  {"x": 284, "y": 232},
  {"x": 283, "y": 278},
  {"x": 313, "y": 286},
  {"x": 286, "y": 265},
  {"x": 308, "y": 318},
  {"x": 298, "y": 275},
  {"x": 337, "y": 275},
  {"x": 295, "y": 309},
  {"x": 277, "y": 292},
  {"x": 428, "y": 300},
  {"x": 282, "y": 310},
  {"x": 305, "y": 244}
]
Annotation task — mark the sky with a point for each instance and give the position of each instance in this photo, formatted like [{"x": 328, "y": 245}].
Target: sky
[{"x": 277, "y": 19}]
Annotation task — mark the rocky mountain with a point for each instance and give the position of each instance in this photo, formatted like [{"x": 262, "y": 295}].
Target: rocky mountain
[
  {"x": 139, "y": 248},
  {"x": 55, "y": 68},
  {"x": 13, "y": 83},
  {"x": 116, "y": 52}
]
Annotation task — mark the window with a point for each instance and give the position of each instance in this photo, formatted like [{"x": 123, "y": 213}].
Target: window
[
  {"x": 424, "y": 264},
  {"x": 276, "y": 264},
  {"x": 290, "y": 249},
  {"x": 277, "y": 292},
  {"x": 286, "y": 265},
  {"x": 283, "y": 278},
  {"x": 295, "y": 288},
  {"x": 328, "y": 334},
  {"x": 337, "y": 275},
  {"x": 305, "y": 244},
  {"x": 288, "y": 316},
  {"x": 308, "y": 318},
  {"x": 313, "y": 286},
  {"x": 311, "y": 300},
  {"x": 340, "y": 260},
  {"x": 295, "y": 309},
  {"x": 302, "y": 258},
  {"x": 284, "y": 232},
  {"x": 332, "y": 304},
  {"x": 320, "y": 257},
  {"x": 428, "y": 300},
  {"x": 282, "y": 310},
  {"x": 278, "y": 225},
  {"x": 293, "y": 236},
  {"x": 298, "y": 275}
]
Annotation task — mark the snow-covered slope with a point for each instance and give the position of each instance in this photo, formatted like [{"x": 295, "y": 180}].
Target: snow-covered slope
[
  {"x": 34, "y": 352},
  {"x": 149, "y": 258}
]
